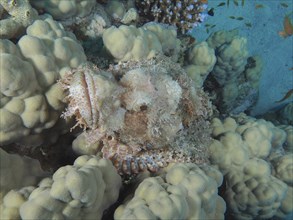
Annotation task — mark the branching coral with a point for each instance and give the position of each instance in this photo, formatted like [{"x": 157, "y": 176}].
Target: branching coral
[
  {"x": 143, "y": 120},
  {"x": 183, "y": 14}
]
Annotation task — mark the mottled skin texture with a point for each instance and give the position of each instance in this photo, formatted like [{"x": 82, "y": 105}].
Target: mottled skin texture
[{"x": 150, "y": 116}]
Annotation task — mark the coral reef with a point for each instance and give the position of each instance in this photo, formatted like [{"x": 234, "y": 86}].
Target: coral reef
[
  {"x": 130, "y": 16},
  {"x": 257, "y": 169},
  {"x": 281, "y": 116},
  {"x": 90, "y": 26},
  {"x": 183, "y": 191},
  {"x": 130, "y": 43},
  {"x": 182, "y": 14},
  {"x": 116, "y": 9},
  {"x": 288, "y": 145},
  {"x": 82, "y": 190},
  {"x": 146, "y": 119},
  {"x": 31, "y": 100},
  {"x": 235, "y": 77},
  {"x": 148, "y": 142},
  {"x": 15, "y": 17},
  {"x": 64, "y": 9},
  {"x": 285, "y": 115},
  {"x": 17, "y": 172},
  {"x": 250, "y": 189},
  {"x": 200, "y": 62}
]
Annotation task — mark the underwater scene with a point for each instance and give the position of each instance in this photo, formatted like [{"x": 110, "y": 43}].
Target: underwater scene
[{"x": 146, "y": 109}]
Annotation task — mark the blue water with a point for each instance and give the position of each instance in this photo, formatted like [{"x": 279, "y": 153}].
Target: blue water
[{"x": 262, "y": 39}]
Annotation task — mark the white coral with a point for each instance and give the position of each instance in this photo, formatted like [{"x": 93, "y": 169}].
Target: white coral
[
  {"x": 17, "y": 172},
  {"x": 64, "y": 9},
  {"x": 31, "y": 100},
  {"x": 83, "y": 190},
  {"x": 130, "y": 43},
  {"x": 186, "y": 192},
  {"x": 253, "y": 192},
  {"x": 231, "y": 60},
  {"x": 200, "y": 62},
  {"x": 22, "y": 14},
  {"x": 257, "y": 169}
]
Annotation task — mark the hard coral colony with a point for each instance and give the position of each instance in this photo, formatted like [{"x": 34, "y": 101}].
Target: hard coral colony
[
  {"x": 184, "y": 14},
  {"x": 135, "y": 121}
]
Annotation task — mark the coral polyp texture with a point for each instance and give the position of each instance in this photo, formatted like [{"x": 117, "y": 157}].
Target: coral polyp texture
[
  {"x": 182, "y": 14},
  {"x": 144, "y": 115}
]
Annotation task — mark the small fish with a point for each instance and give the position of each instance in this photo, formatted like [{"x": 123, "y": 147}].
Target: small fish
[
  {"x": 291, "y": 68},
  {"x": 228, "y": 3},
  {"x": 284, "y": 5},
  {"x": 208, "y": 27},
  {"x": 221, "y": 4},
  {"x": 288, "y": 27},
  {"x": 257, "y": 6},
  {"x": 232, "y": 17},
  {"x": 288, "y": 94},
  {"x": 211, "y": 12},
  {"x": 239, "y": 18},
  {"x": 235, "y": 2},
  {"x": 248, "y": 24}
]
